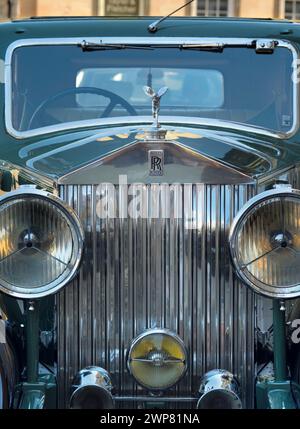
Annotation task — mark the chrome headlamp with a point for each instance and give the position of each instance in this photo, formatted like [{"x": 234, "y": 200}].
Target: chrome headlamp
[
  {"x": 265, "y": 243},
  {"x": 157, "y": 359},
  {"x": 41, "y": 243}
]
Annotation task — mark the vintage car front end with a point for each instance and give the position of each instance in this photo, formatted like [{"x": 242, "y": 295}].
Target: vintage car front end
[{"x": 149, "y": 215}]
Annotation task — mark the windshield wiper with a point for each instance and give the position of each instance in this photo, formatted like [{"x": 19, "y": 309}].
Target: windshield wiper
[
  {"x": 261, "y": 46},
  {"x": 90, "y": 46}
]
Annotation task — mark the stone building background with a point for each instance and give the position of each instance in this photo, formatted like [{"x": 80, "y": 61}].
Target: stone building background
[{"x": 15, "y": 9}]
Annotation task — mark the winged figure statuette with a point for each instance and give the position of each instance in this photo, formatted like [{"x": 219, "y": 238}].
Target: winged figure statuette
[{"x": 156, "y": 97}]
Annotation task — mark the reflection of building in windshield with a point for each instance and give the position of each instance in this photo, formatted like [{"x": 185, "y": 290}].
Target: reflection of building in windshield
[{"x": 201, "y": 88}]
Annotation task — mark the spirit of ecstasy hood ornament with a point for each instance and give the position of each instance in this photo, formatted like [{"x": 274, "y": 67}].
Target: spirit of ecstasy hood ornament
[
  {"x": 155, "y": 101},
  {"x": 155, "y": 131}
]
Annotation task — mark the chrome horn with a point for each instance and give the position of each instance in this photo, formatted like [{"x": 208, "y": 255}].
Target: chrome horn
[
  {"x": 92, "y": 388},
  {"x": 219, "y": 389}
]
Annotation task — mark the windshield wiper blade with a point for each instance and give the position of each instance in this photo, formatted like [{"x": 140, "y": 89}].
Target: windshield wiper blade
[{"x": 90, "y": 46}]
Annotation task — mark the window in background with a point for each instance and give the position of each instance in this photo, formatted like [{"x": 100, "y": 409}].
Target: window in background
[
  {"x": 3, "y": 9},
  {"x": 121, "y": 7},
  {"x": 7, "y": 9},
  {"x": 215, "y": 8},
  {"x": 292, "y": 9}
]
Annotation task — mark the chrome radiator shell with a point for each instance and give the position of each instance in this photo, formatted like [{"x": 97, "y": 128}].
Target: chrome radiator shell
[{"x": 157, "y": 272}]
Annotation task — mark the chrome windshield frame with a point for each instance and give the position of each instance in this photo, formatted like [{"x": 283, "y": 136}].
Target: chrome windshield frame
[{"x": 165, "y": 41}]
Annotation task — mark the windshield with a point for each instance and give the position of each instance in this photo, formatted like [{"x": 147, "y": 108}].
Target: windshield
[{"x": 64, "y": 84}]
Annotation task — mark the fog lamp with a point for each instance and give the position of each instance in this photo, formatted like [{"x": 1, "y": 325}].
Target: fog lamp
[{"x": 157, "y": 359}]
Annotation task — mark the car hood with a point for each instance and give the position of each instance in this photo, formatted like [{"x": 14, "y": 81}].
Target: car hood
[{"x": 249, "y": 153}]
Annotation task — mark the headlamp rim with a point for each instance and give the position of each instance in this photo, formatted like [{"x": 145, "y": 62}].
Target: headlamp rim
[
  {"x": 27, "y": 191},
  {"x": 280, "y": 191},
  {"x": 162, "y": 331}
]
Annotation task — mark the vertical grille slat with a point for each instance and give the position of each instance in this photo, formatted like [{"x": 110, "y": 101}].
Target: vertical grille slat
[{"x": 157, "y": 272}]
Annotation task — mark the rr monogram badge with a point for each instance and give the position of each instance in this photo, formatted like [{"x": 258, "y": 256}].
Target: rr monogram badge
[{"x": 156, "y": 162}]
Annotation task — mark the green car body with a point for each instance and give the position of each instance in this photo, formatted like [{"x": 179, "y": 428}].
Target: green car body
[{"x": 71, "y": 156}]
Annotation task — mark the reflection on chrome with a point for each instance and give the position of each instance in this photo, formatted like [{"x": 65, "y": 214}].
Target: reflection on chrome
[
  {"x": 265, "y": 242},
  {"x": 39, "y": 234},
  {"x": 92, "y": 388},
  {"x": 219, "y": 389}
]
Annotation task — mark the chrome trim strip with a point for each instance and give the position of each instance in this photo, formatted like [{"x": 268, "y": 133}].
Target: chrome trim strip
[
  {"x": 153, "y": 399},
  {"x": 171, "y": 41},
  {"x": 273, "y": 175},
  {"x": 138, "y": 120},
  {"x": 156, "y": 273}
]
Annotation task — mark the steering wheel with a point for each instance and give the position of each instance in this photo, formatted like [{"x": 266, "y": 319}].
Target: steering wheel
[{"x": 114, "y": 101}]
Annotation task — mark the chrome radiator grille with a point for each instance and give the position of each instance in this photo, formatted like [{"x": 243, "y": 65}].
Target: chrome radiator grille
[{"x": 157, "y": 272}]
